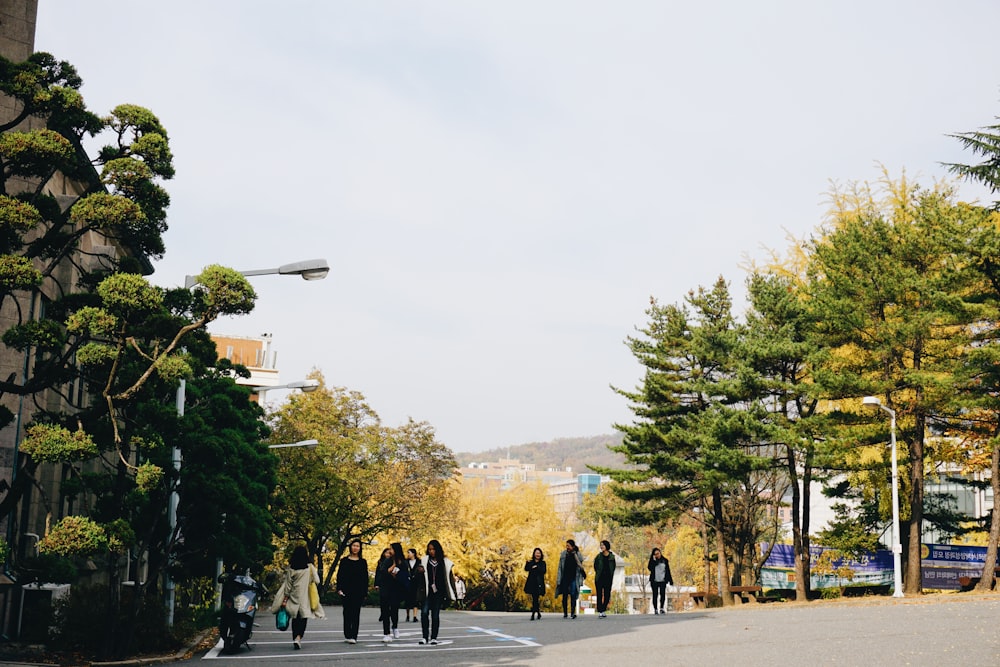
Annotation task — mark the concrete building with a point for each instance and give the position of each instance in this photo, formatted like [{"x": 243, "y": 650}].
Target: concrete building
[{"x": 254, "y": 352}]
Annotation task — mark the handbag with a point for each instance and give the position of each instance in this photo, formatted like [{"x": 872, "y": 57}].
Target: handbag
[
  {"x": 313, "y": 591},
  {"x": 313, "y": 596},
  {"x": 282, "y": 619}
]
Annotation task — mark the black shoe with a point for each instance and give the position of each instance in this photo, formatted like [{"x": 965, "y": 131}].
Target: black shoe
[
  {"x": 573, "y": 616},
  {"x": 532, "y": 615},
  {"x": 567, "y": 616}
]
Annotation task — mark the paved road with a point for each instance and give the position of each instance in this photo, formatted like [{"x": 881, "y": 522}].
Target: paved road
[{"x": 941, "y": 631}]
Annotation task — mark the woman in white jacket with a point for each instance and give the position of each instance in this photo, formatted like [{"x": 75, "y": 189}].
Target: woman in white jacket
[
  {"x": 294, "y": 594},
  {"x": 439, "y": 582}
]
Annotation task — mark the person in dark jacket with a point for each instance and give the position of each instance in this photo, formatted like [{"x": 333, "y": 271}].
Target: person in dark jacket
[
  {"x": 604, "y": 573},
  {"x": 352, "y": 586},
  {"x": 535, "y": 584},
  {"x": 412, "y": 562},
  {"x": 392, "y": 578},
  {"x": 569, "y": 577},
  {"x": 439, "y": 584},
  {"x": 659, "y": 577}
]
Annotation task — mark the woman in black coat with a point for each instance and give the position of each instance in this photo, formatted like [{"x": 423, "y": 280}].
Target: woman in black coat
[
  {"x": 352, "y": 586},
  {"x": 659, "y": 577},
  {"x": 535, "y": 585}
]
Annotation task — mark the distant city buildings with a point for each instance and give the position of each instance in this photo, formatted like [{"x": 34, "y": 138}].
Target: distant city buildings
[{"x": 566, "y": 488}]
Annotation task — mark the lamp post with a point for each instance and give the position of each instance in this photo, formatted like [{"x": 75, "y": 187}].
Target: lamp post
[
  {"x": 311, "y": 269},
  {"x": 305, "y": 386},
  {"x": 897, "y": 549},
  {"x": 300, "y": 443}
]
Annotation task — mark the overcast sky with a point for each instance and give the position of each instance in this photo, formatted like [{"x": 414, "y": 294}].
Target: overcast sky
[{"x": 500, "y": 187}]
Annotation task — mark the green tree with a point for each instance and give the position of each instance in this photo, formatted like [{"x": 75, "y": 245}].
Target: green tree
[
  {"x": 229, "y": 469},
  {"x": 779, "y": 351},
  {"x": 980, "y": 425},
  {"x": 694, "y": 435},
  {"x": 362, "y": 480},
  {"x": 87, "y": 319},
  {"x": 888, "y": 297}
]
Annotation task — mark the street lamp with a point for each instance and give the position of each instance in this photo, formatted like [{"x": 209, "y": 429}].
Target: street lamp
[
  {"x": 897, "y": 549},
  {"x": 305, "y": 385},
  {"x": 310, "y": 269},
  {"x": 300, "y": 443}
]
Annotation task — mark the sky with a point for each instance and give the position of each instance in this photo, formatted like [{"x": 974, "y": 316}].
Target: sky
[{"x": 501, "y": 187}]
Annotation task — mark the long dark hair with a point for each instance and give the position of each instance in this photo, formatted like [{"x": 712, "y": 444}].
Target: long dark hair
[
  {"x": 572, "y": 543},
  {"x": 397, "y": 553},
  {"x": 652, "y": 554},
  {"x": 438, "y": 551},
  {"x": 361, "y": 546},
  {"x": 300, "y": 558},
  {"x": 540, "y": 552}
]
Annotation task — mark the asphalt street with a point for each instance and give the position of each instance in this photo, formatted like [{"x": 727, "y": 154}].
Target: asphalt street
[{"x": 940, "y": 630}]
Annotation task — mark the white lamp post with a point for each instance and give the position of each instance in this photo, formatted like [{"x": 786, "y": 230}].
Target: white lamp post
[
  {"x": 300, "y": 443},
  {"x": 897, "y": 549},
  {"x": 305, "y": 385},
  {"x": 311, "y": 269}
]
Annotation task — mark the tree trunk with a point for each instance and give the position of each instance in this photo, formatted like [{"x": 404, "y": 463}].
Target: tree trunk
[
  {"x": 912, "y": 583},
  {"x": 989, "y": 566},
  {"x": 800, "y": 526},
  {"x": 720, "y": 546},
  {"x": 706, "y": 546}
]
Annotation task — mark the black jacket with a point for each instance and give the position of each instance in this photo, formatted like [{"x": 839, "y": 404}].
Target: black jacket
[
  {"x": 352, "y": 579},
  {"x": 652, "y": 570},
  {"x": 535, "y": 585}
]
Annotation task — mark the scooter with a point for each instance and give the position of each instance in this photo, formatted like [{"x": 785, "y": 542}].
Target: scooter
[{"x": 239, "y": 607}]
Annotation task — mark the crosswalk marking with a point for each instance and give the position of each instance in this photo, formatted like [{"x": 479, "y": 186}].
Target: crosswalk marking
[{"x": 319, "y": 643}]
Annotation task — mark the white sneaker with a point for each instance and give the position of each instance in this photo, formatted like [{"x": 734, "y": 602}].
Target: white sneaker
[
  {"x": 386, "y": 639},
  {"x": 395, "y": 633},
  {"x": 422, "y": 642},
  {"x": 434, "y": 642},
  {"x": 352, "y": 641}
]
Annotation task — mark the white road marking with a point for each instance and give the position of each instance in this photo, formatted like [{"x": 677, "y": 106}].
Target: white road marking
[{"x": 371, "y": 644}]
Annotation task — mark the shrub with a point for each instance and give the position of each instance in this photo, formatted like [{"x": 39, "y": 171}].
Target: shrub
[{"x": 81, "y": 623}]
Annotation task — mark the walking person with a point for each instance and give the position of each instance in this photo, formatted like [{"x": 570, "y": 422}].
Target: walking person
[
  {"x": 604, "y": 575},
  {"x": 411, "y": 597},
  {"x": 659, "y": 577},
  {"x": 439, "y": 582},
  {"x": 386, "y": 555},
  {"x": 535, "y": 584},
  {"x": 352, "y": 586},
  {"x": 459, "y": 592},
  {"x": 569, "y": 577},
  {"x": 392, "y": 581},
  {"x": 294, "y": 594}
]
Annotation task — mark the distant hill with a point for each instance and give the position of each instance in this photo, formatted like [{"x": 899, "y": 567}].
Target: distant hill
[{"x": 575, "y": 453}]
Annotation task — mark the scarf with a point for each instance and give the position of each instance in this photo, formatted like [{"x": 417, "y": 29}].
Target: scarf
[{"x": 433, "y": 563}]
